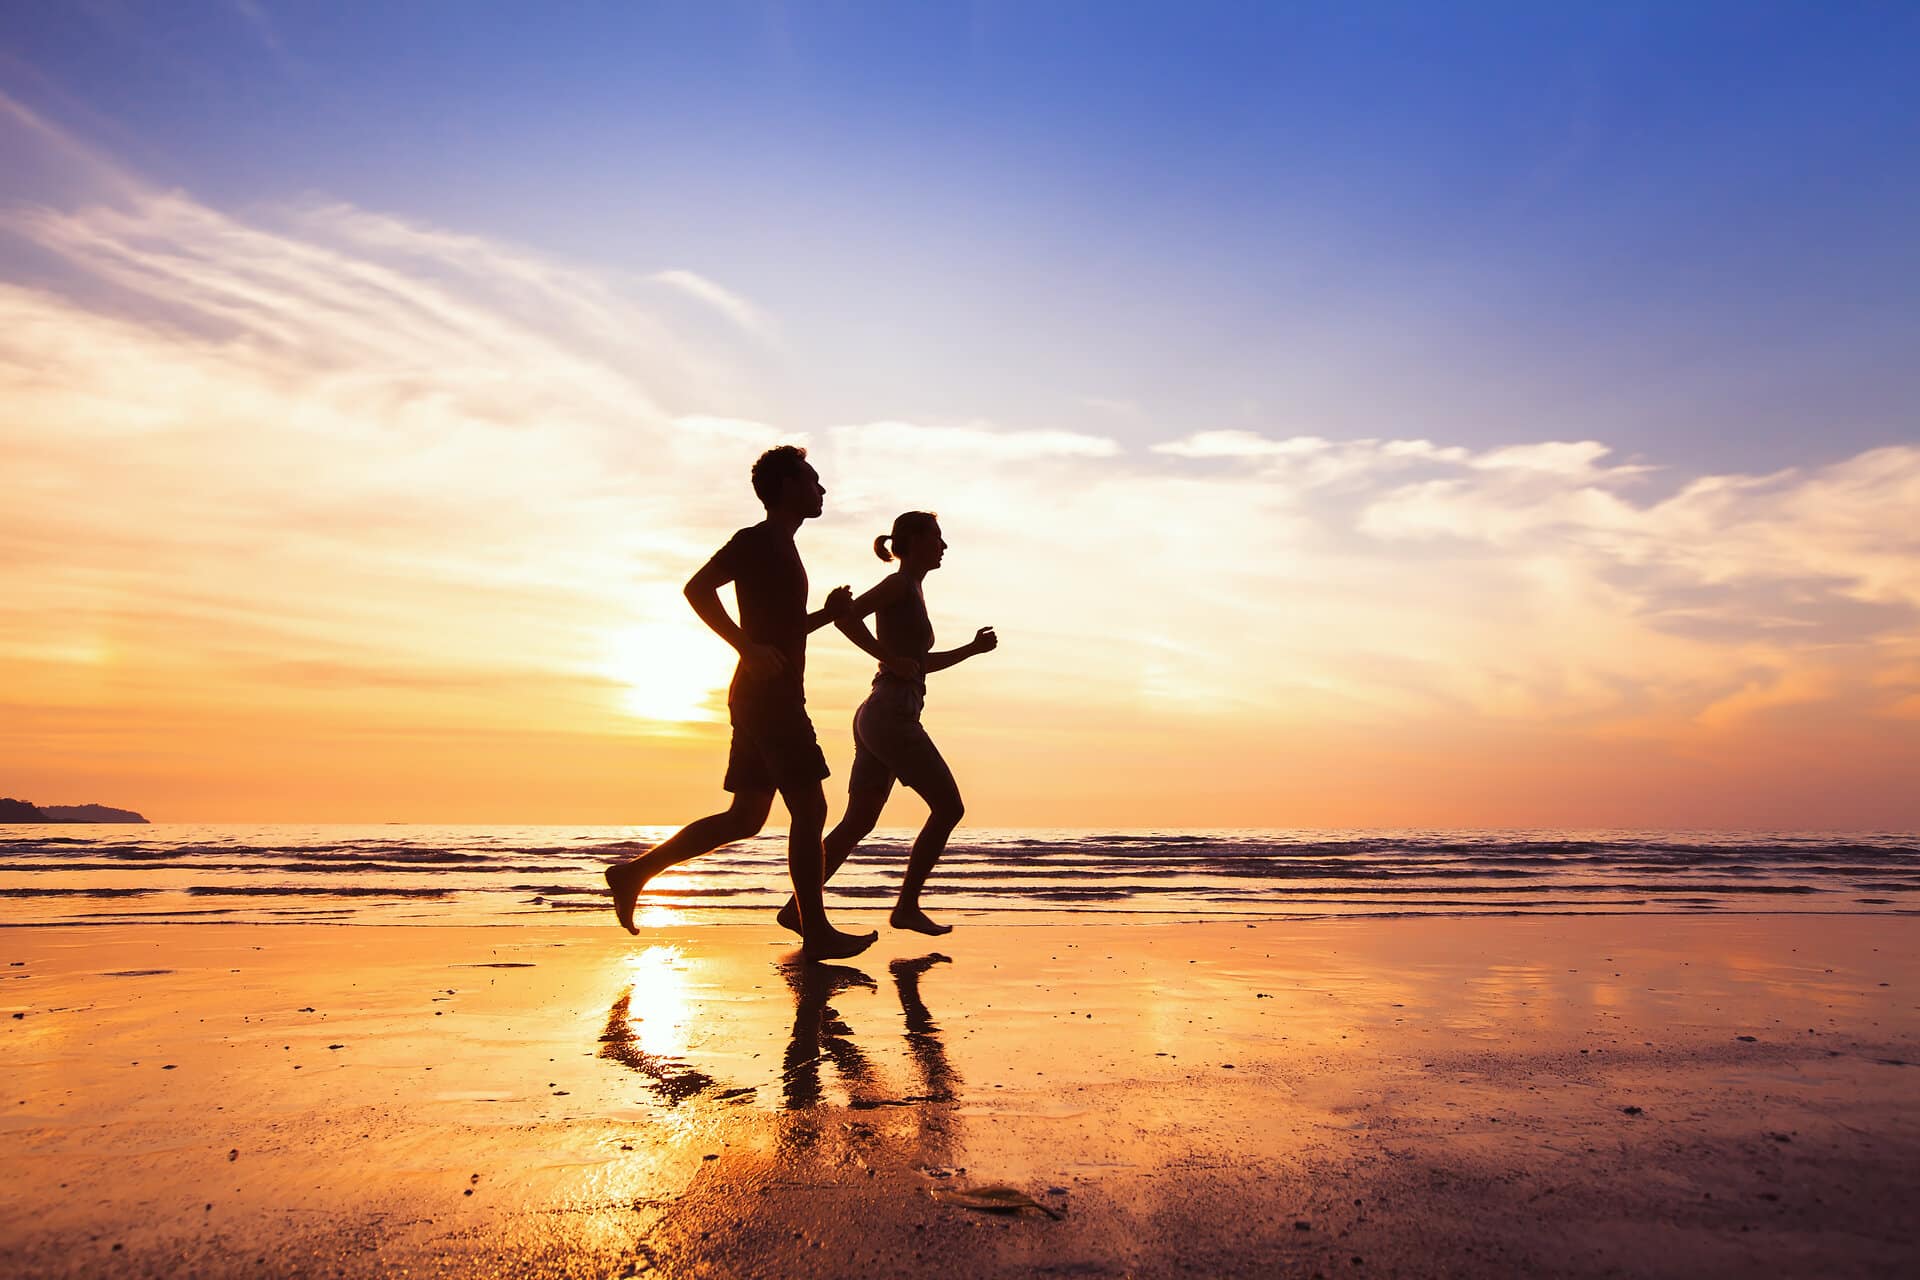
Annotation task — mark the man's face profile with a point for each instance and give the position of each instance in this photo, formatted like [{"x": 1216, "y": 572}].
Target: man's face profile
[{"x": 803, "y": 492}]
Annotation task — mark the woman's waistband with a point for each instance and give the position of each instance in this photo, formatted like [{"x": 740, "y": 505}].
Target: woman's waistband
[{"x": 884, "y": 680}]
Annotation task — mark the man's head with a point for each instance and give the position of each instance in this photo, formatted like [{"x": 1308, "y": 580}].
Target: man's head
[{"x": 787, "y": 484}]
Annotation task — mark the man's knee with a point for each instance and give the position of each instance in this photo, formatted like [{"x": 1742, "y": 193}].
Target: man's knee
[
  {"x": 948, "y": 810},
  {"x": 807, "y": 806},
  {"x": 748, "y": 814}
]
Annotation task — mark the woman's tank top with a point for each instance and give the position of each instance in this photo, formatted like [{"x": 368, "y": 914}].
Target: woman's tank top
[{"x": 903, "y": 628}]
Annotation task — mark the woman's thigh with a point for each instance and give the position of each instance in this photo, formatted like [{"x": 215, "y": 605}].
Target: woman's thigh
[
  {"x": 895, "y": 739},
  {"x": 920, "y": 765}
]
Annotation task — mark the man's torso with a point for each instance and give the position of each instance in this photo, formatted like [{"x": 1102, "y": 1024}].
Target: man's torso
[{"x": 770, "y": 586}]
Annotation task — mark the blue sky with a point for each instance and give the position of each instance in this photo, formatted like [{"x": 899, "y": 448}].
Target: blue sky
[{"x": 1683, "y": 229}]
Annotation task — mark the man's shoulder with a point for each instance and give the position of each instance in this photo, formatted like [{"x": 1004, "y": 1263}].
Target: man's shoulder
[{"x": 760, "y": 539}]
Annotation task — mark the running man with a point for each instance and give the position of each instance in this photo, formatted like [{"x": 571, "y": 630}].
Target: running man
[{"x": 774, "y": 748}]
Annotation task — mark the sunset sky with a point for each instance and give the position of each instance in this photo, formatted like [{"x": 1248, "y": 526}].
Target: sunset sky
[{"x": 1347, "y": 414}]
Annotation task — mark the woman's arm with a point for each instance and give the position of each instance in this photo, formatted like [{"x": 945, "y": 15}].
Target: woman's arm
[
  {"x": 984, "y": 641},
  {"x": 852, "y": 624}
]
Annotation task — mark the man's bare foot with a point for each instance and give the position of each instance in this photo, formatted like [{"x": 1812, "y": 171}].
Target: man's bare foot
[
  {"x": 812, "y": 981},
  {"x": 915, "y": 919},
  {"x": 625, "y": 880},
  {"x": 789, "y": 918},
  {"x": 831, "y": 944}
]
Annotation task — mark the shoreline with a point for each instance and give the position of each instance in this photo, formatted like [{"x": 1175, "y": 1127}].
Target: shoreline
[{"x": 1429, "y": 1094}]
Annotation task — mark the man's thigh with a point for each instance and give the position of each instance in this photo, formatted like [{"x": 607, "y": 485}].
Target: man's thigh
[{"x": 775, "y": 749}]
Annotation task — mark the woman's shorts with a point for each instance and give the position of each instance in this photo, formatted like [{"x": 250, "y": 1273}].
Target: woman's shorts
[{"x": 889, "y": 742}]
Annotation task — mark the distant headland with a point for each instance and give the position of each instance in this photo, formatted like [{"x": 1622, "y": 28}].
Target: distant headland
[{"x": 12, "y": 810}]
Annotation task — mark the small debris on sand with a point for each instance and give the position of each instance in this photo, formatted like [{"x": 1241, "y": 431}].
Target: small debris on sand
[{"x": 992, "y": 1200}]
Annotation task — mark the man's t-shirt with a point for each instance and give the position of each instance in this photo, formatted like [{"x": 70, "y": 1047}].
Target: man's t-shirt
[{"x": 771, "y": 586}]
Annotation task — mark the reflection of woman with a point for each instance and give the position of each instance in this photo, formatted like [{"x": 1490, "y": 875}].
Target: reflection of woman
[{"x": 889, "y": 741}]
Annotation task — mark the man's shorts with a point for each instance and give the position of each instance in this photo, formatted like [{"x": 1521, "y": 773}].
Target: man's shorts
[{"x": 774, "y": 748}]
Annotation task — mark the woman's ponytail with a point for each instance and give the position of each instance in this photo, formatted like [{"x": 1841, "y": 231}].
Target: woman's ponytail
[{"x": 880, "y": 547}]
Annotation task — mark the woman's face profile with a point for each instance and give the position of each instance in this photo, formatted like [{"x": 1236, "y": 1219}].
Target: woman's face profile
[{"x": 927, "y": 548}]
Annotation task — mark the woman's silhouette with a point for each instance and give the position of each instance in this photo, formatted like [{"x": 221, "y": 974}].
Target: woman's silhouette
[{"x": 889, "y": 741}]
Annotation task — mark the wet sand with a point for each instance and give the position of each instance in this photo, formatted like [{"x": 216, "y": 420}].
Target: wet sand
[{"x": 1645, "y": 1095}]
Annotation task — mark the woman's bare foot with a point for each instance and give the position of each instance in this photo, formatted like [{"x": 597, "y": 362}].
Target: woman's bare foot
[
  {"x": 831, "y": 944},
  {"x": 910, "y": 970},
  {"x": 914, "y": 918},
  {"x": 625, "y": 880},
  {"x": 789, "y": 917}
]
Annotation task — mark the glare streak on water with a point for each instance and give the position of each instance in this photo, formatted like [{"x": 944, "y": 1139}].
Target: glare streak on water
[{"x": 496, "y": 874}]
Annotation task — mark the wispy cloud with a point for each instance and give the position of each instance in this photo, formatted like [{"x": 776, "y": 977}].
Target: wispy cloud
[
  {"x": 924, "y": 442},
  {"x": 748, "y": 317}
]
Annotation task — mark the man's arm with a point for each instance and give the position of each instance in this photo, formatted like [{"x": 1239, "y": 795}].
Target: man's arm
[
  {"x": 703, "y": 593},
  {"x": 839, "y": 600}
]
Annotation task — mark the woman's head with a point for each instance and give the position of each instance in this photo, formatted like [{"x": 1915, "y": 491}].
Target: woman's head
[{"x": 915, "y": 540}]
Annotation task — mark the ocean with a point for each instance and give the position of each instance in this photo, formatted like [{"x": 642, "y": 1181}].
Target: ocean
[{"x": 424, "y": 875}]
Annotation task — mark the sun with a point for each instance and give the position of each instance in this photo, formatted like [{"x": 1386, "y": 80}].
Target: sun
[{"x": 668, "y": 672}]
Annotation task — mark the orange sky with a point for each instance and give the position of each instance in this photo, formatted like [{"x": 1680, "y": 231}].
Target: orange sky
[{"x": 318, "y": 514}]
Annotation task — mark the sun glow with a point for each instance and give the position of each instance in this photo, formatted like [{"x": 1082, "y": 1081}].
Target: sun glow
[
  {"x": 661, "y": 997},
  {"x": 669, "y": 673}
]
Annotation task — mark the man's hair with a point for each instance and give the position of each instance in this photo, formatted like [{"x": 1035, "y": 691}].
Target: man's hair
[{"x": 770, "y": 472}]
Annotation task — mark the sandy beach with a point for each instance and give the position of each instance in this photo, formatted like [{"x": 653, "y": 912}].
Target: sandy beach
[{"x": 1575, "y": 1096}]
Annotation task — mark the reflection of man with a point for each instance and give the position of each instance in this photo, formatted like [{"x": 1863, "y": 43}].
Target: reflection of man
[
  {"x": 818, "y": 1033},
  {"x": 774, "y": 747}
]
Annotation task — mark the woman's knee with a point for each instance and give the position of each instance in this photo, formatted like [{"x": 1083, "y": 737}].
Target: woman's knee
[
  {"x": 948, "y": 809},
  {"x": 855, "y": 827}
]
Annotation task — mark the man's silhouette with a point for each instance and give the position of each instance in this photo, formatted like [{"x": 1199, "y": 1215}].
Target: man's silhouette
[{"x": 774, "y": 748}]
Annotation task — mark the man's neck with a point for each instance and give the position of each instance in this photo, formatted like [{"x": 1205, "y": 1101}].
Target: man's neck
[{"x": 785, "y": 523}]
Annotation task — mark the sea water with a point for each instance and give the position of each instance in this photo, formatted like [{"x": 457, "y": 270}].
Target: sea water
[{"x": 420, "y": 874}]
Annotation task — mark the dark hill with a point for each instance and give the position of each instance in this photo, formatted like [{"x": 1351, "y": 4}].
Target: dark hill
[
  {"x": 12, "y": 810},
  {"x": 89, "y": 813}
]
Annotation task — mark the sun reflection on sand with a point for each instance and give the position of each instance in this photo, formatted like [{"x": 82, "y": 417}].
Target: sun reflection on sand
[
  {"x": 659, "y": 1004},
  {"x": 658, "y": 917}
]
